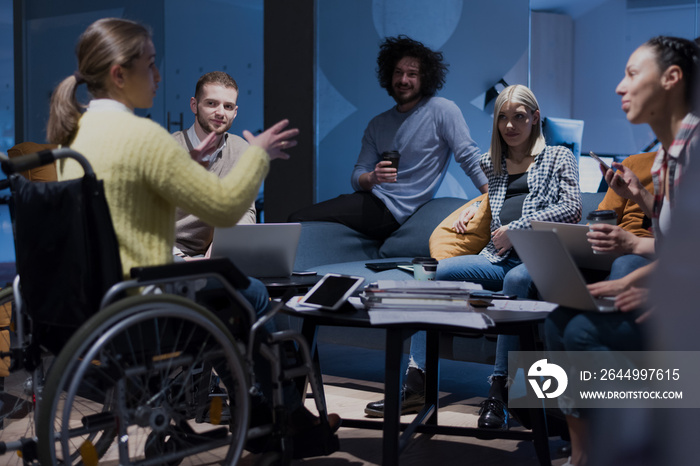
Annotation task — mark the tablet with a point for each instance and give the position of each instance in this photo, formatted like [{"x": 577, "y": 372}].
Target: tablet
[{"x": 331, "y": 291}]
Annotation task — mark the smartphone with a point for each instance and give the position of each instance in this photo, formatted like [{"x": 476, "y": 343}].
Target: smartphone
[
  {"x": 379, "y": 266},
  {"x": 599, "y": 160}
]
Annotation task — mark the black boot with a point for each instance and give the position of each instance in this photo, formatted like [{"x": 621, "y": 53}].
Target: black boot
[
  {"x": 412, "y": 395},
  {"x": 493, "y": 413}
]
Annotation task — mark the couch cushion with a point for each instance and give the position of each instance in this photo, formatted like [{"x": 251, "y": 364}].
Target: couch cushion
[
  {"x": 411, "y": 240},
  {"x": 446, "y": 242},
  {"x": 328, "y": 242},
  {"x": 590, "y": 203}
]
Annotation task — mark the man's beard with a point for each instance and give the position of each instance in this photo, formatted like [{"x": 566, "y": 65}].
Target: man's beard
[
  {"x": 207, "y": 127},
  {"x": 405, "y": 99}
]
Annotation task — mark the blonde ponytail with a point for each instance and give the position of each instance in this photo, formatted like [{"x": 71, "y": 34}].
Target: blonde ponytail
[
  {"x": 105, "y": 42},
  {"x": 64, "y": 113}
]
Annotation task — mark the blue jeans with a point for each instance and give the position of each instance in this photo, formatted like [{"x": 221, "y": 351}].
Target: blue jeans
[
  {"x": 517, "y": 282},
  {"x": 599, "y": 333},
  {"x": 473, "y": 268},
  {"x": 256, "y": 293},
  {"x": 623, "y": 265}
]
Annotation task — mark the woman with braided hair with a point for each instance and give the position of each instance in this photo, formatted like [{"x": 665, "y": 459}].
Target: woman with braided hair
[{"x": 657, "y": 89}]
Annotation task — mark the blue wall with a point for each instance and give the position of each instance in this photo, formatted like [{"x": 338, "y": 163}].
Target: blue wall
[
  {"x": 7, "y": 97},
  {"x": 483, "y": 42},
  {"x": 604, "y": 38},
  {"x": 211, "y": 35},
  {"x": 52, "y": 30}
]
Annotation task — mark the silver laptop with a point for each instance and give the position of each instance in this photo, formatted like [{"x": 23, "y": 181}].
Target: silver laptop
[
  {"x": 554, "y": 271},
  {"x": 260, "y": 250},
  {"x": 574, "y": 238}
]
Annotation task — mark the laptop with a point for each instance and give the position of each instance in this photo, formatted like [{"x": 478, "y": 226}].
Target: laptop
[
  {"x": 260, "y": 250},
  {"x": 554, "y": 271},
  {"x": 573, "y": 236}
]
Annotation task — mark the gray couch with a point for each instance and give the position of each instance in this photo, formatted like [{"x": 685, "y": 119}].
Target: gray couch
[{"x": 330, "y": 247}]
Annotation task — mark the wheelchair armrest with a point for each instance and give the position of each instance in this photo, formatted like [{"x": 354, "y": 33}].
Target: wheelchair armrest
[{"x": 223, "y": 267}]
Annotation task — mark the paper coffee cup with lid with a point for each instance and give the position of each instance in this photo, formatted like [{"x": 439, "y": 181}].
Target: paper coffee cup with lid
[{"x": 424, "y": 268}]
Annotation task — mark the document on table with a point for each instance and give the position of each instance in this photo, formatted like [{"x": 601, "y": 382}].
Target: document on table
[
  {"x": 426, "y": 285},
  {"x": 522, "y": 305},
  {"x": 468, "y": 319}
]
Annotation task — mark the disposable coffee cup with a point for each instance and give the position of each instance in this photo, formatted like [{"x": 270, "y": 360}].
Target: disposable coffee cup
[
  {"x": 393, "y": 157},
  {"x": 424, "y": 268},
  {"x": 602, "y": 216}
]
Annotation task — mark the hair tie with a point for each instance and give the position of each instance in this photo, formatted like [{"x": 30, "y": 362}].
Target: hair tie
[{"x": 79, "y": 79}]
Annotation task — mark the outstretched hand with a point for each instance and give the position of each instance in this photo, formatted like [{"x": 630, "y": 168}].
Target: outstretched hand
[
  {"x": 274, "y": 140},
  {"x": 206, "y": 147}
]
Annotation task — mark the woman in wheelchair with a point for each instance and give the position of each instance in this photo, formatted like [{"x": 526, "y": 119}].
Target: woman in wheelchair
[{"x": 147, "y": 174}]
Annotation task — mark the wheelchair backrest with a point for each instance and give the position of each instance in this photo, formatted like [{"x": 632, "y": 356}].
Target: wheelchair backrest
[{"x": 67, "y": 254}]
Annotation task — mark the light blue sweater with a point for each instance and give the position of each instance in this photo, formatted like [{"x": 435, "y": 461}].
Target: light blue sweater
[{"x": 425, "y": 137}]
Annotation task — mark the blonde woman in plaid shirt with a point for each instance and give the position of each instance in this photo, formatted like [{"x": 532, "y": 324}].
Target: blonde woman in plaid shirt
[{"x": 527, "y": 180}]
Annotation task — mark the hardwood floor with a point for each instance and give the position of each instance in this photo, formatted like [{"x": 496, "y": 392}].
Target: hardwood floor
[{"x": 352, "y": 378}]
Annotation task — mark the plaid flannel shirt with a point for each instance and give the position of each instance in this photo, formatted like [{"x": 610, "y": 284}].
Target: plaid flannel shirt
[
  {"x": 555, "y": 194},
  {"x": 675, "y": 160}
]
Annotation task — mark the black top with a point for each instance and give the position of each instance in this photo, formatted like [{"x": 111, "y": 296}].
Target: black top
[{"x": 515, "y": 196}]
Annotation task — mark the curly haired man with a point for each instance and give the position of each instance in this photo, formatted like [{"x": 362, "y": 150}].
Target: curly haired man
[{"x": 423, "y": 128}]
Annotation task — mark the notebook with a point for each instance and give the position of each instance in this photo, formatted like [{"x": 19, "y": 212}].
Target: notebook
[
  {"x": 260, "y": 250},
  {"x": 554, "y": 271},
  {"x": 573, "y": 236}
]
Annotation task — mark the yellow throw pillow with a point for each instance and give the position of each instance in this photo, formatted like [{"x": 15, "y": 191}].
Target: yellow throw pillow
[{"x": 445, "y": 242}]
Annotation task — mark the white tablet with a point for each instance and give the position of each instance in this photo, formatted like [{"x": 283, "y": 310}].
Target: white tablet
[{"x": 331, "y": 291}]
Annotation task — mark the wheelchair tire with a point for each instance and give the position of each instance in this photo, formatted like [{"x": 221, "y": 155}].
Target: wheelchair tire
[{"x": 134, "y": 372}]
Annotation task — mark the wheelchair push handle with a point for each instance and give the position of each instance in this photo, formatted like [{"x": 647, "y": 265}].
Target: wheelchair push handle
[{"x": 44, "y": 157}]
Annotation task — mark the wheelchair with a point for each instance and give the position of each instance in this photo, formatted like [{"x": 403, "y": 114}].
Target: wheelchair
[{"x": 153, "y": 370}]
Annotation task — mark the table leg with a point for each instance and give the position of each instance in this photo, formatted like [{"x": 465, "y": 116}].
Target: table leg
[
  {"x": 432, "y": 374},
  {"x": 539, "y": 421},
  {"x": 392, "y": 399},
  {"x": 309, "y": 331}
]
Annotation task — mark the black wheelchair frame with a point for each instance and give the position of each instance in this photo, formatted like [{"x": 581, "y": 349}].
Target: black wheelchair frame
[{"x": 156, "y": 374}]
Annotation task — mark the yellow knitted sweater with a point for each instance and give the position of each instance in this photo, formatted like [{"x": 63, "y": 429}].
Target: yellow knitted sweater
[{"x": 147, "y": 174}]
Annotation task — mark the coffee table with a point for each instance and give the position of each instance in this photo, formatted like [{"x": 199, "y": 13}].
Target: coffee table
[{"x": 523, "y": 324}]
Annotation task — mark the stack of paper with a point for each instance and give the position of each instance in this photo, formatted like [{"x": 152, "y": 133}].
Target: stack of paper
[
  {"x": 425, "y": 302},
  {"x": 418, "y": 295}
]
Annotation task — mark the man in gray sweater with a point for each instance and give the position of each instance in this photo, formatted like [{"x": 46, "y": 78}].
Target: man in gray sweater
[
  {"x": 214, "y": 107},
  {"x": 423, "y": 128}
]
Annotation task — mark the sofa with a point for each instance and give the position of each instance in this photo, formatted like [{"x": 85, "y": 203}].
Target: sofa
[{"x": 326, "y": 247}]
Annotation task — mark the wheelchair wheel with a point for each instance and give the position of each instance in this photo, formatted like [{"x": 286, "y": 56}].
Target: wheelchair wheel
[{"x": 160, "y": 374}]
